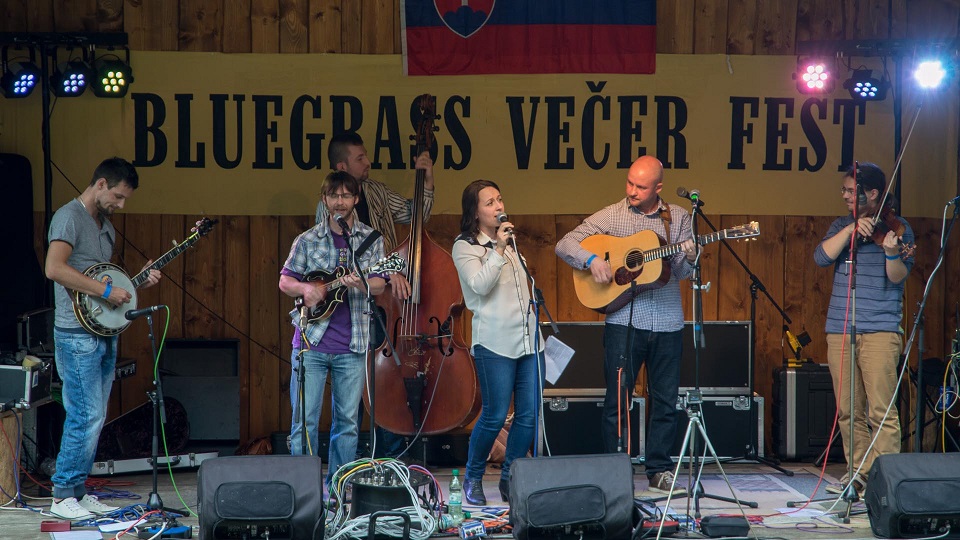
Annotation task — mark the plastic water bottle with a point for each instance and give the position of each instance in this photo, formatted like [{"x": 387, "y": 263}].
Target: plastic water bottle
[{"x": 455, "y": 502}]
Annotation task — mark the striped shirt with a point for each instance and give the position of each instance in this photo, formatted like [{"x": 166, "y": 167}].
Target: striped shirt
[
  {"x": 879, "y": 300},
  {"x": 314, "y": 250},
  {"x": 387, "y": 208},
  {"x": 657, "y": 310}
]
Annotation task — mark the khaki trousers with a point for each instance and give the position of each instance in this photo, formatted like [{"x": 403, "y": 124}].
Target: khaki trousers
[{"x": 875, "y": 384}]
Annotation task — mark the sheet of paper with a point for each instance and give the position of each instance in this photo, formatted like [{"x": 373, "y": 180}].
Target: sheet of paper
[
  {"x": 117, "y": 527},
  {"x": 557, "y": 355},
  {"x": 77, "y": 535}
]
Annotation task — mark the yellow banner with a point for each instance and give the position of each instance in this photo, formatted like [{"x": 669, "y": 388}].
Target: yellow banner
[{"x": 247, "y": 134}]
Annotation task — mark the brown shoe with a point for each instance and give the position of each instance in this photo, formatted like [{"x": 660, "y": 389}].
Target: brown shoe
[{"x": 661, "y": 482}]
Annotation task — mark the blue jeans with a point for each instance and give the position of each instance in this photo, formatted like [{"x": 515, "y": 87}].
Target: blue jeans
[
  {"x": 500, "y": 378},
  {"x": 660, "y": 351},
  {"x": 86, "y": 365},
  {"x": 346, "y": 374}
]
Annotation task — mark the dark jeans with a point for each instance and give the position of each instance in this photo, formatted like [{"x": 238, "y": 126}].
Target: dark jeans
[
  {"x": 660, "y": 351},
  {"x": 500, "y": 379}
]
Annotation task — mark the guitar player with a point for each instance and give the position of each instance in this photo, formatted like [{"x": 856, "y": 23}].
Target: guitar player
[
  {"x": 336, "y": 344},
  {"x": 648, "y": 329},
  {"x": 81, "y": 235}
]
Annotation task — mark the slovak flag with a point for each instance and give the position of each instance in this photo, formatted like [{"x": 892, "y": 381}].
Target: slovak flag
[{"x": 469, "y": 37}]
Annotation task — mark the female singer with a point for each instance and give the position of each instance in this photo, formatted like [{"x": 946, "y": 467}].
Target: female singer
[{"x": 496, "y": 291}]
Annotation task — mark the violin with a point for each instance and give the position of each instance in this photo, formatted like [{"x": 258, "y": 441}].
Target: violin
[{"x": 884, "y": 222}]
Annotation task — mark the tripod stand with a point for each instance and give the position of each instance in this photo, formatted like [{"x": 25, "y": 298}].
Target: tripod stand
[
  {"x": 694, "y": 399},
  {"x": 154, "y": 502},
  {"x": 750, "y": 451}
]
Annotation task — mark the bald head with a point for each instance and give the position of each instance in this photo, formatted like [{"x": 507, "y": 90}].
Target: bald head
[{"x": 644, "y": 182}]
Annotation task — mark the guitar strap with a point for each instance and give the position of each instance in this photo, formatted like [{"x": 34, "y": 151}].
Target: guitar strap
[
  {"x": 367, "y": 242},
  {"x": 665, "y": 217}
]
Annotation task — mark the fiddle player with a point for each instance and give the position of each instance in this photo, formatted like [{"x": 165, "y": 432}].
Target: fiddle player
[
  {"x": 496, "y": 291},
  {"x": 881, "y": 270}
]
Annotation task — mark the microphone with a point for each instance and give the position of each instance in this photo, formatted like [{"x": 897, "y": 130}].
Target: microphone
[
  {"x": 693, "y": 195},
  {"x": 343, "y": 224},
  {"x": 502, "y": 218},
  {"x": 954, "y": 200},
  {"x": 861, "y": 195},
  {"x": 137, "y": 313}
]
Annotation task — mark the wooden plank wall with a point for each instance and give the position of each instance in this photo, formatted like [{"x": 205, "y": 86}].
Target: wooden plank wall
[
  {"x": 373, "y": 26},
  {"x": 226, "y": 287}
]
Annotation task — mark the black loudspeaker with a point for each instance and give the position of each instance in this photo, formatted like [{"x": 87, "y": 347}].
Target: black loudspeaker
[
  {"x": 564, "y": 497},
  {"x": 244, "y": 496},
  {"x": 914, "y": 495}
]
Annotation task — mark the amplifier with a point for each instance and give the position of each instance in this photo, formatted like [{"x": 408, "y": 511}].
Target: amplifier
[
  {"x": 727, "y": 422},
  {"x": 572, "y": 425},
  {"x": 803, "y": 411},
  {"x": 724, "y": 359}
]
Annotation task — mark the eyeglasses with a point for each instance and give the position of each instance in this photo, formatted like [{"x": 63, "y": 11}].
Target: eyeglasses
[
  {"x": 847, "y": 191},
  {"x": 340, "y": 196}
]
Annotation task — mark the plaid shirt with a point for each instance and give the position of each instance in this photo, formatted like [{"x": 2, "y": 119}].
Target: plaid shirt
[
  {"x": 657, "y": 310},
  {"x": 314, "y": 250}
]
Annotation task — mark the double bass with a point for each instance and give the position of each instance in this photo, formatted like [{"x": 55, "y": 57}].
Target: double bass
[{"x": 425, "y": 383}]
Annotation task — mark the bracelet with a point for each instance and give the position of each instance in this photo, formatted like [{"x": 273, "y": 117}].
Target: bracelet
[
  {"x": 590, "y": 260},
  {"x": 892, "y": 257},
  {"x": 106, "y": 292}
]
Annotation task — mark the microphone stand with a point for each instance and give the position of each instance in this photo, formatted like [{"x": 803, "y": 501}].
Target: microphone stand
[
  {"x": 755, "y": 285},
  {"x": 536, "y": 302},
  {"x": 301, "y": 410},
  {"x": 372, "y": 315},
  {"x": 154, "y": 502},
  {"x": 693, "y": 401}
]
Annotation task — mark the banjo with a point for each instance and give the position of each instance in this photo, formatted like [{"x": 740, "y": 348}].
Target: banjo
[{"x": 97, "y": 315}]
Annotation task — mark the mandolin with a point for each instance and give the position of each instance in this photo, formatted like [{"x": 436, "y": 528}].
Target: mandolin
[{"x": 332, "y": 281}]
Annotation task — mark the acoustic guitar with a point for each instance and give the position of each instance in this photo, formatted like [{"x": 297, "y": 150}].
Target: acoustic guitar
[{"x": 637, "y": 264}]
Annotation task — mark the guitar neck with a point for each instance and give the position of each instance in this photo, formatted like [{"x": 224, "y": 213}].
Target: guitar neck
[
  {"x": 165, "y": 259},
  {"x": 672, "y": 249}
]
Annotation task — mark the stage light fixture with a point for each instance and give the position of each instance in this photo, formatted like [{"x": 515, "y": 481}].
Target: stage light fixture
[
  {"x": 814, "y": 76},
  {"x": 71, "y": 79},
  {"x": 863, "y": 86},
  {"x": 112, "y": 76},
  {"x": 19, "y": 78},
  {"x": 929, "y": 74}
]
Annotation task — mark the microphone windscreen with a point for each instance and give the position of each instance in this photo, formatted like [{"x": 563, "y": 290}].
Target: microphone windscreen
[{"x": 502, "y": 217}]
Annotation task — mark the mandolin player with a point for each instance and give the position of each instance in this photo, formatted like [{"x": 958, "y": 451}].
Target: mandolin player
[{"x": 80, "y": 236}]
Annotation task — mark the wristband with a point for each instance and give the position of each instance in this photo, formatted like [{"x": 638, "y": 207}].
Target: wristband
[
  {"x": 106, "y": 292},
  {"x": 590, "y": 260},
  {"x": 892, "y": 257}
]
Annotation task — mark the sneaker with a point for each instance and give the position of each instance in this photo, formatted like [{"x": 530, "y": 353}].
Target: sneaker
[
  {"x": 70, "y": 509},
  {"x": 858, "y": 484},
  {"x": 92, "y": 504},
  {"x": 661, "y": 481}
]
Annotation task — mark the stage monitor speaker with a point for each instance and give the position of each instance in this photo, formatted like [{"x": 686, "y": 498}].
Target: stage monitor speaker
[
  {"x": 724, "y": 360},
  {"x": 277, "y": 497},
  {"x": 914, "y": 495},
  {"x": 567, "y": 497},
  {"x": 204, "y": 375}
]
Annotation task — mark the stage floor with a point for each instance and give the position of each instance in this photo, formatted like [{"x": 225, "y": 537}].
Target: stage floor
[{"x": 752, "y": 482}]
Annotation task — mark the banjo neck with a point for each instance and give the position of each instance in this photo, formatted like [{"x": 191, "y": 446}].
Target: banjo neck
[{"x": 162, "y": 261}]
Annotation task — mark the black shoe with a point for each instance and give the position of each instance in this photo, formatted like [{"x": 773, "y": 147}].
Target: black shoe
[
  {"x": 505, "y": 490},
  {"x": 473, "y": 492}
]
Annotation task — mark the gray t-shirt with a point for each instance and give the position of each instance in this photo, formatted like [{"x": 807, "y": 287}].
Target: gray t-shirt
[{"x": 91, "y": 243}]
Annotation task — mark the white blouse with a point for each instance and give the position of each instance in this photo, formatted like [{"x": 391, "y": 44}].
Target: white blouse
[{"x": 496, "y": 291}]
